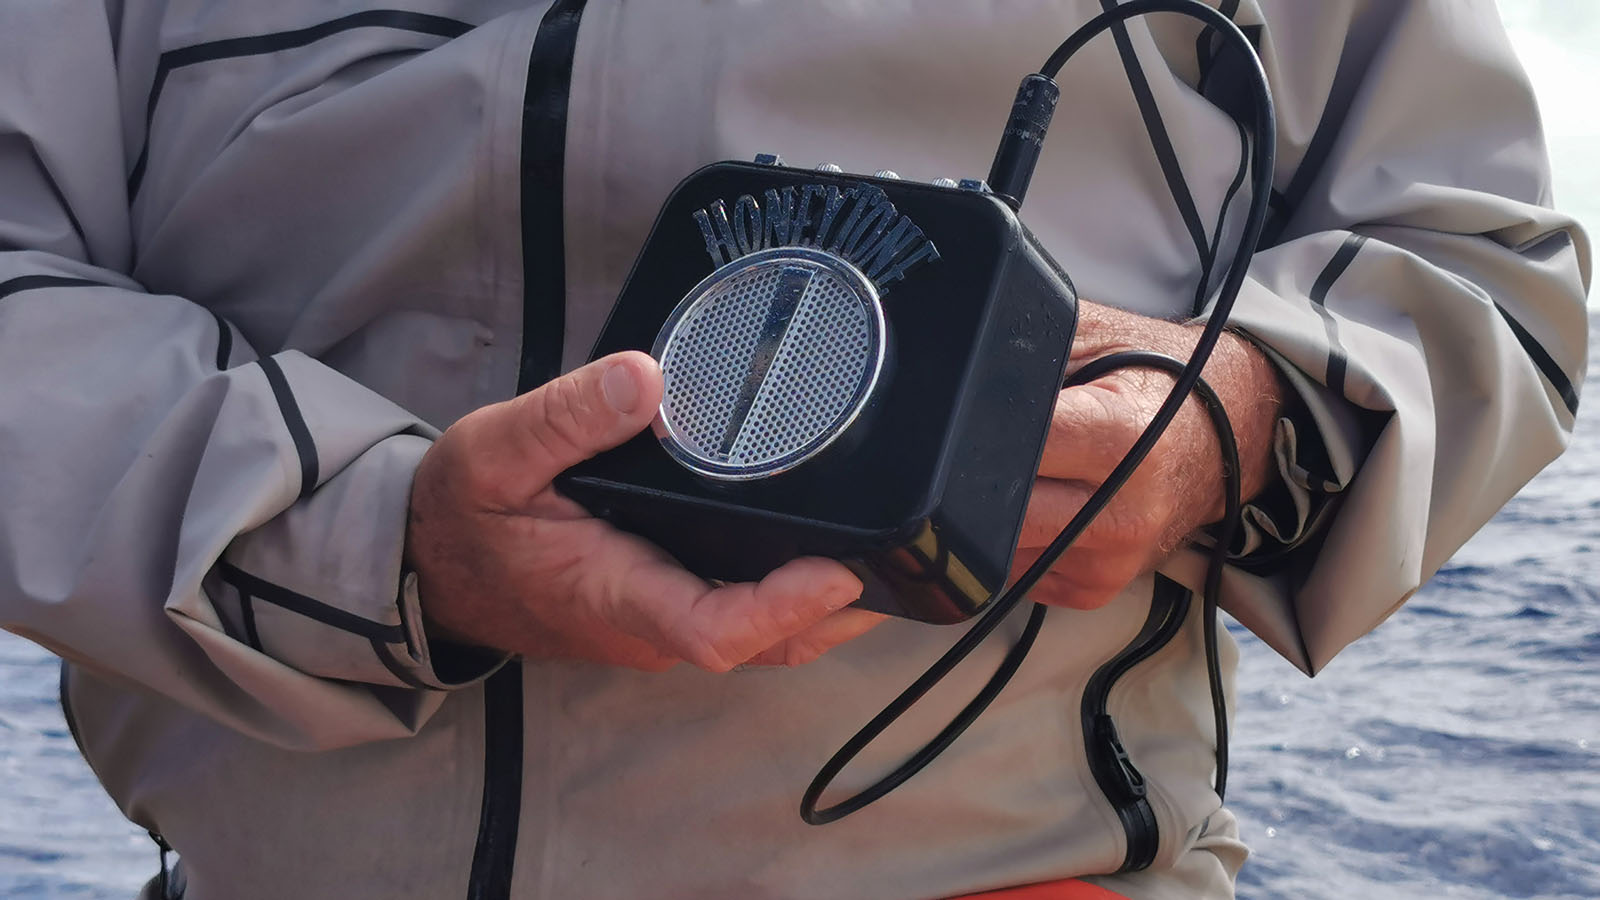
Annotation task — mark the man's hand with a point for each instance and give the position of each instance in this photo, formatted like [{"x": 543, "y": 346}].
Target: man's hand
[
  {"x": 505, "y": 561},
  {"x": 1175, "y": 490}
]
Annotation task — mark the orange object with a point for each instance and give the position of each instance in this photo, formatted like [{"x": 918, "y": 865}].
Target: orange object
[{"x": 1053, "y": 890}]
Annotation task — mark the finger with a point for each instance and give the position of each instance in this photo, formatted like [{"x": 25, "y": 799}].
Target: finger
[
  {"x": 644, "y": 594},
  {"x": 1135, "y": 517},
  {"x": 1051, "y": 505},
  {"x": 807, "y": 646},
  {"x": 1091, "y": 429},
  {"x": 733, "y": 623},
  {"x": 1082, "y": 578},
  {"x": 578, "y": 415},
  {"x": 1085, "y": 568}
]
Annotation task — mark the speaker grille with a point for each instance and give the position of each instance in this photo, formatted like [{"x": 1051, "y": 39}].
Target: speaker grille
[{"x": 767, "y": 361}]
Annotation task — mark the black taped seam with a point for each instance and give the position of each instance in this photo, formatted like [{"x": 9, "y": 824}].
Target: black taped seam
[
  {"x": 1353, "y": 61},
  {"x": 284, "y": 598},
  {"x": 63, "y": 691},
  {"x": 494, "y": 855},
  {"x": 1204, "y": 50},
  {"x": 1160, "y": 141},
  {"x": 544, "y": 137},
  {"x": 1542, "y": 360},
  {"x": 382, "y": 652},
  {"x": 1317, "y": 151},
  {"x": 224, "y": 342},
  {"x": 1338, "y": 357},
  {"x": 544, "y": 154},
  {"x": 38, "y": 282},
  {"x": 304, "y": 446},
  {"x": 257, "y": 45},
  {"x": 247, "y": 613}
]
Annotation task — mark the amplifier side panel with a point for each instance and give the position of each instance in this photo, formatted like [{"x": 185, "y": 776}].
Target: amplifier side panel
[{"x": 1022, "y": 358}]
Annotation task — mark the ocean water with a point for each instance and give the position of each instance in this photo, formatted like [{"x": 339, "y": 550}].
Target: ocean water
[{"x": 1453, "y": 753}]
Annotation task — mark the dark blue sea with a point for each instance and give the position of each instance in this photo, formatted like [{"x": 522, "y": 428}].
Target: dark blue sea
[{"x": 1455, "y": 751}]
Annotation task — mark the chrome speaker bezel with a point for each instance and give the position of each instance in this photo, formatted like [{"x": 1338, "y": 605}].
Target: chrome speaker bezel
[{"x": 860, "y": 288}]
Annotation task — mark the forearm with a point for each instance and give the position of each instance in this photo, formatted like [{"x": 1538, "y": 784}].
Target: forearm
[
  {"x": 1253, "y": 392},
  {"x": 1250, "y": 386}
]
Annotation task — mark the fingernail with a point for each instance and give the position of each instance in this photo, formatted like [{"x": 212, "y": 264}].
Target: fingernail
[{"x": 620, "y": 388}]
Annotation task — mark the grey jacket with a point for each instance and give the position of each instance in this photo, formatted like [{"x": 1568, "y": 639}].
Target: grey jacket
[{"x": 253, "y": 255}]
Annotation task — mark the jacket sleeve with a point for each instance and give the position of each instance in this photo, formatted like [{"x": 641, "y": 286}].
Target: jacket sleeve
[
  {"x": 176, "y": 511},
  {"x": 1427, "y": 304}
]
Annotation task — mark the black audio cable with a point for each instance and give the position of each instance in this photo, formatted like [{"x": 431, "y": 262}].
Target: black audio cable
[
  {"x": 1232, "y": 503},
  {"x": 1227, "y": 531},
  {"x": 1010, "y": 176}
]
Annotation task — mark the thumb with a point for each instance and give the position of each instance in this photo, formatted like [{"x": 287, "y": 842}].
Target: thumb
[{"x": 584, "y": 412}]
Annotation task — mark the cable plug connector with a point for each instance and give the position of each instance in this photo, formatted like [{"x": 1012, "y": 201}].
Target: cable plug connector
[{"x": 1023, "y": 138}]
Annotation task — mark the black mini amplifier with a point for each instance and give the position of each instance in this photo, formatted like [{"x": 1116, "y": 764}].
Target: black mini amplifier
[{"x": 861, "y": 368}]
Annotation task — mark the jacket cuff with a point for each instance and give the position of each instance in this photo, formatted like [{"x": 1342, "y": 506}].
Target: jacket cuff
[
  {"x": 448, "y": 665},
  {"x": 320, "y": 587},
  {"x": 1316, "y": 448}
]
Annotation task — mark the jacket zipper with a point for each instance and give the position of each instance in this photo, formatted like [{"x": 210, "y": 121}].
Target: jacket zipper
[
  {"x": 1119, "y": 779},
  {"x": 544, "y": 161},
  {"x": 543, "y": 165},
  {"x": 494, "y": 856}
]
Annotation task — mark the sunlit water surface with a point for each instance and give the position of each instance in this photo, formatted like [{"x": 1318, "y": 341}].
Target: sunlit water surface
[{"x": 1455, "y": 752}]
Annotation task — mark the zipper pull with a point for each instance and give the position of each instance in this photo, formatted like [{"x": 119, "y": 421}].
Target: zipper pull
[
  {"x": 164, "y": 879},
  {"x": 1128, "y": 782}
]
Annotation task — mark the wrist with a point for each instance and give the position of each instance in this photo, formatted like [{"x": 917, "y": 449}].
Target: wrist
[
  {"x": 419, "y": 570},
  {"x": 1252, "y": 391}
]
